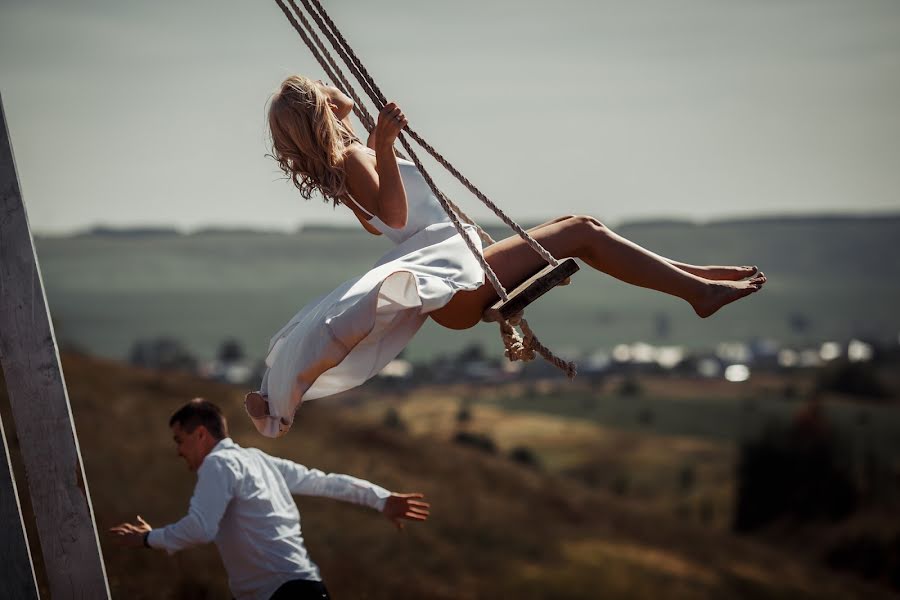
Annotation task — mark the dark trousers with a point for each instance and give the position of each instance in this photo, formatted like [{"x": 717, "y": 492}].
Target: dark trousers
[{"x": 301, "y": 589}]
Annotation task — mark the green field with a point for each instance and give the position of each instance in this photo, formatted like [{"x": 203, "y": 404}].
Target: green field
[{"x": 840, "y": 274}]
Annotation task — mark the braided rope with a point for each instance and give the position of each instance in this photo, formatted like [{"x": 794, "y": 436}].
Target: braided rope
[
  {"x": 320, "y": 15},
  {"x": 335, "y": 75},
  {"x": 338, "y": 76},
  {"x": 533, "y": 243},
  {"x": 345, "y": 50},
  {"x": 449, "y": 207},
  {"x": 339, "y": 42},
  {"x": 486, "y": 239},
  {"x": 517, "y": 347},
  {"x": 532, "y": 341},
  {"x": 488, "y": 271},
  {"x": 359, "y": 107},
  {"x": 367, "y": 82},
  {"x": 340, "y": 45}
]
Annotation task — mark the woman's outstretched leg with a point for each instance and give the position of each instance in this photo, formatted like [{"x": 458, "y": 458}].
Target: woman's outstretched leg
[
  {"x": 586, "y": 238},
  {"x": 717, "y": 272},
  {"x": 714, "y": 272}
]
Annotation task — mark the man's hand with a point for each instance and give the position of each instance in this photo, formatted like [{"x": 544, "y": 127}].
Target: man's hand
[
  {"x": 130, "y": 534},
  {"x": 405, "y": 506}
]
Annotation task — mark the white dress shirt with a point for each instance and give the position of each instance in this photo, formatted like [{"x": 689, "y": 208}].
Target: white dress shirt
[{"x": 243, "y": 502}]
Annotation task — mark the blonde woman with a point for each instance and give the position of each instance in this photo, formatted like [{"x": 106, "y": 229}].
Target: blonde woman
[{"x": 342, "y": 339}]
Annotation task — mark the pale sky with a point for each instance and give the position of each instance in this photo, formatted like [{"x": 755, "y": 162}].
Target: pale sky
[{"x": 127, "y": 112}]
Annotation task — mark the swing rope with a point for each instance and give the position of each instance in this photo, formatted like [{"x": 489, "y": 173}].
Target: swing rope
[
  {"x": 517, "y": 346},
  {"x": 332, "y": 71}
]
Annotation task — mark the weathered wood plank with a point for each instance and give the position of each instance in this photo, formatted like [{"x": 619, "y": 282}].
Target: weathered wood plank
[
  {"x": 536, "y": 286},
  {"x": 40, "y": 404},
  {"x": 16, "y": 568}
]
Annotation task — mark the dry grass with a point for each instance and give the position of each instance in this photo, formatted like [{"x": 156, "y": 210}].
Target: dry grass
[
  {"x": 646, "y": 467},
  {"x": 497, "y": 531}
]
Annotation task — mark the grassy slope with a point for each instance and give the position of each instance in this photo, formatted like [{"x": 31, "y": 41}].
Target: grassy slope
[{"x": 498, "y": 530}]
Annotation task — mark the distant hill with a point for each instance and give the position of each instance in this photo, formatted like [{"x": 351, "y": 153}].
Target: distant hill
[
  {"x": 830, "y": 277},
  {"x": 104, "y": 231},
  {"x": 498, "y": 529},
  {"x": 492, "y": 226}
]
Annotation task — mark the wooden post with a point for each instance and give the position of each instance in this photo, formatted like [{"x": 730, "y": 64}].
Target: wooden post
[
  {"x": 40, "y": 404},
  {"x": 16, "y": 568}
]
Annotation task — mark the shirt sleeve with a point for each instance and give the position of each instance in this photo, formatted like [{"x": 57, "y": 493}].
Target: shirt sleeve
[
  {"x": 216, "y": 480},
  {"x": 313, "y": 482}
]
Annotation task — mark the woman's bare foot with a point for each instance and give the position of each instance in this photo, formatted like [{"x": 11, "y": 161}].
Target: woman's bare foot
[
  {"x": 720, "y": 293},
  {"x": 256, "y": 405},
  {"x": 718, "y": 273}
]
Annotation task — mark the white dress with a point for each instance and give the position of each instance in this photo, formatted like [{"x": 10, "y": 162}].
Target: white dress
[{"x": 365, "y": 323}]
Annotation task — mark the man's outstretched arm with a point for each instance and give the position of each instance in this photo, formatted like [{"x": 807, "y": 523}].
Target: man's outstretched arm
[
  {"x": 213, "y": 492},
  {"x": 313, "y": 482}
]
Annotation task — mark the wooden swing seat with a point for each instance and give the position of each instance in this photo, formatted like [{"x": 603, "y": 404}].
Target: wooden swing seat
[{"x": 536, "y": 286}]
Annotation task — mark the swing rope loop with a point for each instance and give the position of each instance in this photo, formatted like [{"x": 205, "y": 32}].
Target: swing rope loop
[{"x": 518, "y": 347}]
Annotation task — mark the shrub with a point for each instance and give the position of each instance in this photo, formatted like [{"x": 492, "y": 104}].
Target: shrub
[
  {"x": 852, "y": 378},
  {"x": 162, "y": 353},
  {"x": 230, "y": 351},
  {"x": 630, "y": 387},
  {"x": 478, "y": 441},
  {"x": 645, "y": 416},
  {"x": 392, "y": 420},
  {"x": 525, "y": 456},
  {"x": 869, "y": 555},
  {"x": 791, "y": 391},
  {"x": 464, "y": 414},
  {"x": 863, "y": 554},
  {"x": 620, "y": 484},
  {"x": 707, "y": 511},
  {"x": 686, "y": 478},
  {"x": 793, "y": 473}
]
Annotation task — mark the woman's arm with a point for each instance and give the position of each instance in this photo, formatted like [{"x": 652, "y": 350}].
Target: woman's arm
[
  {"x": 379, "y": 187},
  {"x": 341, "y": 104}
]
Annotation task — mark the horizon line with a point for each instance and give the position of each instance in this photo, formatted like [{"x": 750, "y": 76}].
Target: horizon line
[{"x": 100, "y": 228}]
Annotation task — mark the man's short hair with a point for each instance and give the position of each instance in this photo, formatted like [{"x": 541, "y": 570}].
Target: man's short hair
[{"x": 201, "y": 412}]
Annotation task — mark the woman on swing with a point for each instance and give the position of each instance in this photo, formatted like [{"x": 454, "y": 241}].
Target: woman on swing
[{"x": 342, "y": 339}]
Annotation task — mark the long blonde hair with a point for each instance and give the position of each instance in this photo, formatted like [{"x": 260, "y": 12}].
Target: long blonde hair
[{"x": 308, "y": 140}]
